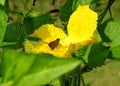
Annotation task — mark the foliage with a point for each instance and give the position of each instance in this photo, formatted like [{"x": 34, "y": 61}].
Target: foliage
[
  {"x": 18, "y": 67},
  {"x": 34, "y": 67},
  {"x": 3, "y": 19}
]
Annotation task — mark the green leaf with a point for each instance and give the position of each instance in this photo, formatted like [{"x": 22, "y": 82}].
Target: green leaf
[
  {"x": 113, "y": 32},
  {"x": 86, "y": 2},
  {"x": 67, "y": 9},
  {"x": 97, "y": 55},
  {"x": 101, "y": 30},
  {"x": 12, "y": 32},
  {"x": 7, "y": 44},
  {"x": 32, "y": 23},
  {"x": 33, "y": 69},
  {"x": 0, "y": 69},
  {"x": 7, "y": 65},
  {"x": 3, "y": 23},
  {"x": 0, "y": 80},
  {"x": 2, "y": 2},
  {"x": 11, "y": 35},
  {"x": 116, "y": 52}
]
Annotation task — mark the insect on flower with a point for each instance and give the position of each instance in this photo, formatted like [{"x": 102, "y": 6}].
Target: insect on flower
[{"x": 54, "y": 44}]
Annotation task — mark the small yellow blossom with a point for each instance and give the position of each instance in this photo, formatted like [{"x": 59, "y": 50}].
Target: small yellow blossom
[{"x": 80, "y": 28}]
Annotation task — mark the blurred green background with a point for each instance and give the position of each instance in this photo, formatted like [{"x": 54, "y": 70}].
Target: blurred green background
[{"x": 108, "y": 74}]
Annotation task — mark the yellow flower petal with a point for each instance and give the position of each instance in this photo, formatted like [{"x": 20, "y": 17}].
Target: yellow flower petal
[
  {"x": 82, "y": 24},
  {"x": 59, "y": 51},
  {"x": 48, "y": 33},
  {"x": 42, "y": 47},
  {"x": 28, "y": 46}
]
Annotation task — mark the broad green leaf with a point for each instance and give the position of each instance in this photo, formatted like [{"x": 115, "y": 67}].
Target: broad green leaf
[
  {"x": 113, "y": 32},
  {"x": 3, "y": 23},
  {"x": 67, "y": 9},
  {"x": 15, "y": 65},
  {"x": 33, "y": 69},
  {"x": 8, "y": 64},
  {"x": 116, "y": 52},
  {"x": 32, "y": 23},
  {"x": 97, "y": 55},
  {"x": 2, "y": 2},
  {"x": 0, "y": 80},
  {"x": 49, "y": 70},
  {"x": 0, "y": 69},
  {"x": 11, "y": 32},
  {"x": 12, "y": 35}
]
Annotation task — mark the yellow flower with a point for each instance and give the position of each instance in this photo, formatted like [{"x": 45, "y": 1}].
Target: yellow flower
[{"x": 80, "y": 28}]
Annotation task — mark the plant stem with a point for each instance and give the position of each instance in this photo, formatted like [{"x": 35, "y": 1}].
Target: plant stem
[
  {"x": 53, "y": 2},
  {"x": 19, "y": 35},
  {"x": 79, "y": 75},
  {"x": 82, "y": 79},
  {"x": 101, "y": 17}
]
